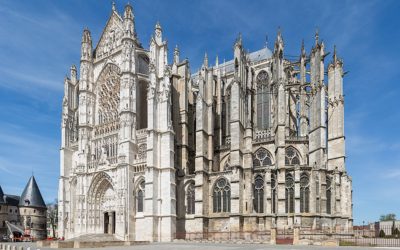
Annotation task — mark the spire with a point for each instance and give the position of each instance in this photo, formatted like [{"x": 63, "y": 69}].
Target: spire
[
  {"x": 176, "y": 55},
  {"x": 86, "y": 47},
  {"x": 239, "y": 41},
  {"x": 316, "y": 36},
  {"x": 279, "y": 38},
  {"x": 158, "y": 26},
  {"x": 158, "y": 33},
  {"x": 334, "y": 53},
  {"x": 86, "y": 37},
  {"x": 216, "y": 61},
  {"x": 73, "y": 73},
  {"x": 205, "y": 62},
  {"x": 128, "y": 12},
  {"x": 129, "y": 22},
  {"x": 113, "y": 6},
  {"x": 266, "y": 40},
  {"x": 31, "y": 196},
  {"x": 303, "y": 50}
]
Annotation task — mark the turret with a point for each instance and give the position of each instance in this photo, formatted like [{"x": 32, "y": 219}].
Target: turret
[
  {"x": 86, "y": 47},
  {"x": 317, "y": 146},
  {"x": 129, "y": 22},
  {"x": 303, "y": 107},
  {"x": 336, "y": 141},
  {"x": 176, "y": 55},
  {"x": 73, "y": 74}
]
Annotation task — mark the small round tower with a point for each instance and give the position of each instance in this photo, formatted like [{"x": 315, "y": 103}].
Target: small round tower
[{"x": 33, "y": 210}]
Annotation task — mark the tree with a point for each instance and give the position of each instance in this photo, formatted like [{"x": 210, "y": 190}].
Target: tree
[
  {"x": 381, "y": 234},
  {"x": 52, "y": 216},
  {"x": 387, "y": 217}
]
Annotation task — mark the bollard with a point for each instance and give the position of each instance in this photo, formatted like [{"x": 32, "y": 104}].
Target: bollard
[
  {"x": 14, "y": 248},
  {"x": 28, "y": 248},
  {"x": 21, "y": 248},
  {"x": 8, "y": 247}
]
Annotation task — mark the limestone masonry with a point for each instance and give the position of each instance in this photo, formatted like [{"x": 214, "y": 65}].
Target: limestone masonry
[{"x": 153, "y": 152}]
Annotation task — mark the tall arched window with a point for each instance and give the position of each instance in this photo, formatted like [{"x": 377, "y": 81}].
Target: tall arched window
[
  {"x": 317, "y": 195},
  {"x": 328, "y": 195},
  {"x": 289, "y": 201},
  {"x": 140, "y": 197},
  {"x": 261, "y": 158},
  {"x": 273, "y": 193},
  {"x": 222, "y": 196},
  {"x": 292, "y": 156},
  {"x": 190, "y": 199},
  {"x": 304, "y": 193},
  {"x": 228, "y": 112},
  {"x": 263, "y": 101},
  {"x": 258, "y": 194}
]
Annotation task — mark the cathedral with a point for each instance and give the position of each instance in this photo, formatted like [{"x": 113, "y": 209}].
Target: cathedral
[{"x": 152, "y": 151}]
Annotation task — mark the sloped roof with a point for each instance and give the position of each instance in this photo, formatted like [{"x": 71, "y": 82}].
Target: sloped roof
[
  {"x": 31, "y": 196},
  {"x": 1, "y": 196},
  {"x": 12, "y": 200}
]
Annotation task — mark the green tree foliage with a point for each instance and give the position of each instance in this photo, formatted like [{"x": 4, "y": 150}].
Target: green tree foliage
[
  {"x": 381, "y": 234},
  {"x": 387, "y": 217}
]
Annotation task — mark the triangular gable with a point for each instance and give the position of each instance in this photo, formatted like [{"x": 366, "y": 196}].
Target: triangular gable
[{"x": 111, "y": 35}]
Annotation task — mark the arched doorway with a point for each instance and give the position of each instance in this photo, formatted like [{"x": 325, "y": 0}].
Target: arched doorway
[{"x": 101, "y": 201}]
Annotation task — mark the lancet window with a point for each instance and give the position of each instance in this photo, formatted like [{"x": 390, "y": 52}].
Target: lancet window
[
  {"x": 304, "y": 193},
  {"x": 190, "y": 199},
  {"x": 263, "y": 101},
  {"x": 292, "y": 156},
  {"x": 261, "y": 158},
  {"x": 258, "y": 194},
  {"x": 222, "y": 196},
  {"x": 140, "y": 197},
  {"x": 289, "y": 194}
]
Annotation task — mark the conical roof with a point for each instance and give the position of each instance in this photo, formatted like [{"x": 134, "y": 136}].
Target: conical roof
[
  {"x": 31, "y": 197},
  {"x": 1, "y": 196}
]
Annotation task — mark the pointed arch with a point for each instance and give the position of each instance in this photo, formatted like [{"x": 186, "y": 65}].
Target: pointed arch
[
  {"x": 190, "y": 198},
  {"x": 139, "y": 194},
  {"x": 258, "y": 194},
  {"x": 107, "y": 90},
  {"x": 221, "y": 195},
  {"x": 292, "y": 156},
  {"x": 263, "y": 100},
  {"x": 328, "y": 194},
  {"x": 262, "y": 157},
  {"x": 304, "y": 193},
  {"x": 289, "y": 193}
]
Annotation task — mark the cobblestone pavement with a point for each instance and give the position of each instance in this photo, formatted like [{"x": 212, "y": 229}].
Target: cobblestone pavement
[{"x": 210, "y": 246}]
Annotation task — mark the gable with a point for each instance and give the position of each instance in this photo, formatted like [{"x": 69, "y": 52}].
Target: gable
[{"x": 111, "y": 37}]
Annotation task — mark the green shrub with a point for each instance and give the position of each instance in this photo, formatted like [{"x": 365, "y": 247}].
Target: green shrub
[{"x": 382, "y": 234}]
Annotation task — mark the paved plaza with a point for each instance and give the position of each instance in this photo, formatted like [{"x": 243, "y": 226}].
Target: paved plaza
[{"x": 209, "y": 246}]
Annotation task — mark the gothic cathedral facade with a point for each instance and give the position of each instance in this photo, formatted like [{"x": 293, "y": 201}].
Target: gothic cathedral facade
[{"x": 150, "y": 151}]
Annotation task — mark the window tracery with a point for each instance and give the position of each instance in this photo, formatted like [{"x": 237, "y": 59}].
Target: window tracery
[
  {"x": 261, "y": 158},
  {"x": 222, "y": 196},
  {"x": 108, "y": 94},
  {"x": 304, "y": 193},
  {"x": 328, "y": 195},
  {"x": 258, "y": 194},
  {"x": 140, "y": 197},
  {"x": 289, "y": 201},
  {"x": 190, "y": 196},
  {"x": 273, "y": 193},
  {"x": 263, "y": 101},
  {"x": 291, "y": 156}
]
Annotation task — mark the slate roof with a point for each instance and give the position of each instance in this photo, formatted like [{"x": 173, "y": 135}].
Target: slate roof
[
  {"x": 12, "y": 200},
  {"x": 1, "y": 196},
  {"x": 31, "y": 196}
]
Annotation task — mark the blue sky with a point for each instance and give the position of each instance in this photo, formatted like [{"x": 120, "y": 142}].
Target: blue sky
[{"x": 40, "y": 40}]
